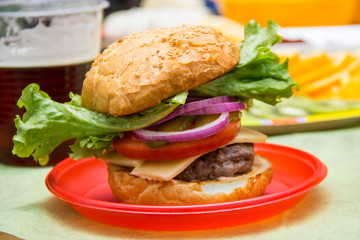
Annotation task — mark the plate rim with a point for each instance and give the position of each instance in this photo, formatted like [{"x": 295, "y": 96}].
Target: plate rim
[
  {"x": 303, "y": 120},
  {"x": 320, "y": 172}
]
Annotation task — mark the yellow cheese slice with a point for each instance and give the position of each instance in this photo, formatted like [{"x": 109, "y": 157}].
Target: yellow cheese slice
[
  {"x": 248, "y": 135},
  {"x": 166, "y": 170},
  {"x": 162, "y": 170}
]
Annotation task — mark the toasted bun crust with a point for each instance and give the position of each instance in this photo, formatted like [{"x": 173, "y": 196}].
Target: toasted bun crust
[
  {"x": 142, "y": 69},
  {"x": 135, "y": 190}
]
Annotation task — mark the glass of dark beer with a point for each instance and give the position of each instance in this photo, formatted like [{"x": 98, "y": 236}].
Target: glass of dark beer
[{"x": 48, "y": 42}]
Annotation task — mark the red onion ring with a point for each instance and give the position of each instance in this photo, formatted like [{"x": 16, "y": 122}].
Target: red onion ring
[
  {"x": 187, "y": 135},
  {"x": 218, "y": 108},
  {"x": 188, "y": 107}
]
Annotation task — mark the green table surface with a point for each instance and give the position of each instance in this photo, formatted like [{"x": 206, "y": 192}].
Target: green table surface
[{"x": 329, "y": 211}]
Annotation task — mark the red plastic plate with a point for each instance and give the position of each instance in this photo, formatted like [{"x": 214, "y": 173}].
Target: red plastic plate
[{"x": 83, "y": 184}]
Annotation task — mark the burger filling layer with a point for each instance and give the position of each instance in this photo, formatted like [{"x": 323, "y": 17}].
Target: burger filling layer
[{"x": 231, "y": 160}]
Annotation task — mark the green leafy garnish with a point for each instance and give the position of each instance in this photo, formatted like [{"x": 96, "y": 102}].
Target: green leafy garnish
[
  {"x": 46, "y": 124},
  {"x": 258, "y": 74}
]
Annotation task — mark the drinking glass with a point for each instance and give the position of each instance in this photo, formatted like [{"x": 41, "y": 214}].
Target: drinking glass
[{"x": 48, "y": 42}]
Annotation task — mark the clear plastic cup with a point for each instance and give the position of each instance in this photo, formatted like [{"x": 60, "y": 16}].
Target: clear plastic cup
[{"x": 48, "y": 42}]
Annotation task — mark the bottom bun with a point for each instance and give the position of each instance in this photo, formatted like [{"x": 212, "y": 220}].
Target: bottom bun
[{"x": 136, "y": 190}]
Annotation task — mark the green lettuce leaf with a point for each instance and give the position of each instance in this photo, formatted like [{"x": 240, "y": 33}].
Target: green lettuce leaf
[
  {"x": 46, "y": 124},
  {"x": 258, "y": 74},
  {"x": 92, "y": 146}
]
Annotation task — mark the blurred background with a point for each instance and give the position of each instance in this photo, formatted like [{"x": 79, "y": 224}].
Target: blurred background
[
  {"x": 321, "y": 40},
  {"x": 146, "y": 14}
]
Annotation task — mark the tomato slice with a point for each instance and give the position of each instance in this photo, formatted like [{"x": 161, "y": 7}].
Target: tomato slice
[{"x": 128, "y": 146}]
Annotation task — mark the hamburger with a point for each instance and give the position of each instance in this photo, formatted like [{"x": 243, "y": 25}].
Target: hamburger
[{"x": 163, "y": 108}]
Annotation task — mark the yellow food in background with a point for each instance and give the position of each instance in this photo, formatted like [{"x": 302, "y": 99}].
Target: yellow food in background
[
  {"x": 291, "y": 13},
  {"x": 311, "y": 61},
  {"x": 323, "y": 75}
]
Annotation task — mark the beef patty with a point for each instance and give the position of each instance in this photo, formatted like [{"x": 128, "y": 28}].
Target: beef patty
[{"x": 228, "y": 161}]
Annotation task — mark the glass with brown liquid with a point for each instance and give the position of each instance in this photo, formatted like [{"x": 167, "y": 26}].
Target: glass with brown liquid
[{"x": 51, "y": 43}]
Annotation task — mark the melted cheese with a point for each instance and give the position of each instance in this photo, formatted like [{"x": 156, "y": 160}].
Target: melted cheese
[
  {"x": 162, "y": 170},
  {"x": 227, "y": 185},
  {"x": 248, "y": 135},
  {"x": 166, "y": 170}
]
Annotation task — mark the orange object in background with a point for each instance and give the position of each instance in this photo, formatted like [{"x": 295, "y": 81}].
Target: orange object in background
[
  {"x": 357, "y": 12},
  {"x": 291, "y": 13}
]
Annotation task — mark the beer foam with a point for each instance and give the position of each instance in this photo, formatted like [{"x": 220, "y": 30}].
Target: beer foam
[{"x": 62, "y": 40}]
